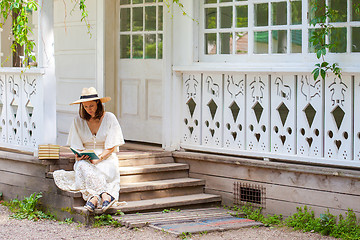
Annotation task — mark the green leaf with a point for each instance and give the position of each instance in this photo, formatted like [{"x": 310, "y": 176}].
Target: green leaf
[
  {"x": 315, "y": 73},
  {"x": 323, "y": 73}
]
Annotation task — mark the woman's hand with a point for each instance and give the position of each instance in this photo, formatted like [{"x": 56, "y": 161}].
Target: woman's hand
[
  {"x": 83, "y": 157},
  {"x": 95, "y": 161}
]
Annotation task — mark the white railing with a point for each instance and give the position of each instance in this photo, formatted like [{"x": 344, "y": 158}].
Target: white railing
[
  {"x": 273, "y": 115},
  {"x": 21, "y": 108}
]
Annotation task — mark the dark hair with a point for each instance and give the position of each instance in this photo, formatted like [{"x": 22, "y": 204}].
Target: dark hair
[{"x": 98, "y": 114}]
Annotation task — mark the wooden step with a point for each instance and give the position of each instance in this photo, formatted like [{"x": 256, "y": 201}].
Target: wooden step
[
  {"x": 145, "y": 161},
  {"x": 161, "y": 203},
  {"x": 153, "y": 172},
  {"x": 159, "y": 189},
  {"x": 124, "y": 155}
]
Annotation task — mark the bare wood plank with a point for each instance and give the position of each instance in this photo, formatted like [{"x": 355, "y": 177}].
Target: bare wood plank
[
  {"x": 278, "y": 176},
  {"x": 29, "y": 182},
  {"x": 24, "y": 168},
  {"x": 301, "y": 196}
]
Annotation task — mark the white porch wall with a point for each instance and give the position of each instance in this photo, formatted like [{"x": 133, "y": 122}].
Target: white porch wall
[{"x": 78, "y": 58}]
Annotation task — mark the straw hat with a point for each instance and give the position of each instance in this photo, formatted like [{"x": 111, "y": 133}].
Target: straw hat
[{"x": 90, "y": 94}]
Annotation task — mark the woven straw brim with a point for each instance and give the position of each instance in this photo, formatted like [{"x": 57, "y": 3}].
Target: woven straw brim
[{"x": 103, "y": 100}]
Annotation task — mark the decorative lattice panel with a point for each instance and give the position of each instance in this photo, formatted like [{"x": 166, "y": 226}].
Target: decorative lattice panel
[
  {"x": 309, "y": 116},
  {"x": 357, "y": 118},
  {"x": 338, "y": 118},
  {"x": 212, "y": 108},
  {"x": 192, "y": 108},
  {"x": 3, "y": 122},
  {"x": 29, "y": 112},
  {"x": 283, "y": 114},
  {"x": 234, "y": 111},
  {"x": 13, "y": 109},
  {"x": 258, "y": 113}
]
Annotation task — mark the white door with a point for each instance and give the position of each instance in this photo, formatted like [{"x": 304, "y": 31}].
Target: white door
[{"x": 140, "y": 69}]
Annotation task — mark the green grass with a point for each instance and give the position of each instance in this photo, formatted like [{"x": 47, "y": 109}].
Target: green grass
[
  {"x": 327, "y": 224},
  {"x": 106, "y": 220}
]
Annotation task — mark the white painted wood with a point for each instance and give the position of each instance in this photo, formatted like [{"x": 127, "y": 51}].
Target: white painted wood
[
  {"x": 356, "y": 118},
  {"x": 234, "y": 111},
  {"x": 258, "y": 113},
  {"x": 212, "y": 109},
  {"x": 283, "y": 113},
  {"x": 141, "y": 110},
  {"x": 338, "y": 130},
  {"x": 3, "y": 109},
  {"x": 191, "y": 124},
  {"x": 309, "y": 103}
]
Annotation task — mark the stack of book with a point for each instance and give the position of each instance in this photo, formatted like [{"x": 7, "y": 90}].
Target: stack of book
[{"x": 49, "y": 151}]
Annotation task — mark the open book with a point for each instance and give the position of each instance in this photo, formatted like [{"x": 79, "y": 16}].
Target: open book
[{"x": 89, "y": 153}]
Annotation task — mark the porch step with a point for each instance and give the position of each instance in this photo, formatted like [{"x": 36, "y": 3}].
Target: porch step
[
  {"x": 162, "y": 203},
  {"x": 135, "y": 158},
  {"x": 153, "y": 172},
  {"x": 162, "y": 188}
]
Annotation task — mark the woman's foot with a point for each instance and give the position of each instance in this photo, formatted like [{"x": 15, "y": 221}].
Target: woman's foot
[
  {"x": 91, "y": 204},
  {"x": 107, "y": 200}
]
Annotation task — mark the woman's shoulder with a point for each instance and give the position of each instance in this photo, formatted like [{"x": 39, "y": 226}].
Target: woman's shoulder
[{"x": 110, "y": 115}]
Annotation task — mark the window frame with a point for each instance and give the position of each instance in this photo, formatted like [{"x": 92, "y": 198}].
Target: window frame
[{"x": 288, "y": 57}]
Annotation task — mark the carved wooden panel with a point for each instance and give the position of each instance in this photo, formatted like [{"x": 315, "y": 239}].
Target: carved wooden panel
[
  {"x": 357, "y": 118},
  {"x": 309, "y": 116},
  {"x": 3, "y": 122},
  {"x": 283, "y": 114},
  {"x": 258, "y": 112},
  {"x": 234, "y": 111},
  {"x": 338, "y": 118},
  {"x": 212, "y": 109},
  {"x": 191, "y": 108},
  {"x": 14, "y": 109}
]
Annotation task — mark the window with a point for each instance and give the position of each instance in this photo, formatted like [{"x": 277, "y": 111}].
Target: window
[
  {"x": 274, "y": 27},
  {"x": 141, "y": 29}
]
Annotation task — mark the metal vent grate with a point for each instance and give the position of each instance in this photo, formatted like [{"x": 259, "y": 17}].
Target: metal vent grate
[{"x": 245, "y": 193}]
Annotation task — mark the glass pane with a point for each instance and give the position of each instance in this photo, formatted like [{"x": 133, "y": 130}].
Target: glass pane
[
  {"x": 210, "y": 18},
  {"x": 279, "y": 13},
  {"x": 316, "y": 9},
  {"x": 341, "y": 10},
  {"x": 296, "y": 41},
  {"x": 160, "y": 19},
  {"x": 279, "y": 41},
  {"x": 150, "y": 1},
  {"x": 160, "y": 0},
  {"x": 137, "y": 1},
  {"x": 355, "y": 10},
  {"x": 210, "y": 43},
  {"x": 210, "y": 1},
  {"x": 338, "y": 37},
  {"x": 160, "y": 46},
  {"x": 150, "y": 46},
  {"x": 137, "y": 19},
  {"x": 125, "y": 46},
  {"x": 150, "y": 18},
  {"x": 137, "y": 46},
  {"x": 296, "y": 12},
  {"x": 241, "y": 16},
  {"x": 122, "y": 2},
  {"x": 355, "y": 39},
  {"x": 311, "y": 46},
  {"x": 261, "y": 42},
  {"x": 225, "y": 17},
  {"x": 124, "y": 19},
  {"x": 226, "y": 43},
  {"x": 225, "y": 1},
  {"x": 241, "y": 43},
  {"x": 261, "y": 14}
]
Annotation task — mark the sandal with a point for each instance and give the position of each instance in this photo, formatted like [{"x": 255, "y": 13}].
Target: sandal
[
  {"x": 89, "y": 205},
  {"x": 107, "y": 204}
]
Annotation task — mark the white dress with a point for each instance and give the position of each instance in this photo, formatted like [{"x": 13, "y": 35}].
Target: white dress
[{"x": 93, "y": 179}]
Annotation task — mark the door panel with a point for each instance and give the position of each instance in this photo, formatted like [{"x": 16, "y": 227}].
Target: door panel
[{"x": 139, "y": 69}]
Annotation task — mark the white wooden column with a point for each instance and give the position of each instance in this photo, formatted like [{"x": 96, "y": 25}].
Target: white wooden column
[{"x": 46, "y": 61}]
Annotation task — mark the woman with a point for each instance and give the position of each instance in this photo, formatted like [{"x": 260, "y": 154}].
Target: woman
[{"x": 97, "y": 179}]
